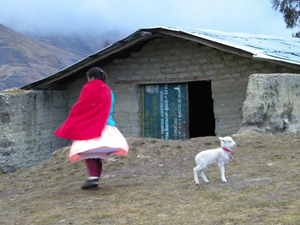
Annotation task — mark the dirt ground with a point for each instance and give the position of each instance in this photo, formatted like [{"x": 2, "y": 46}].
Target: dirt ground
[{"x": 154, "y": 185}]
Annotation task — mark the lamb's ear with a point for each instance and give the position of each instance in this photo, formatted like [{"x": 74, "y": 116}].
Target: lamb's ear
[{"x": 221, "y": 139}]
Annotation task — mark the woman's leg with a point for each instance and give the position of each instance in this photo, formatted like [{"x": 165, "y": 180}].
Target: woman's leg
[
  {"x": 94, "y": 167},
  {"x": 99, "y": 162}
]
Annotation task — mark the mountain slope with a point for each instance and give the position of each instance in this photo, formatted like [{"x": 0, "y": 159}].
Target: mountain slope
[
  {"x": 82, "y": 45},
  {"x": 24, "y": 59}
]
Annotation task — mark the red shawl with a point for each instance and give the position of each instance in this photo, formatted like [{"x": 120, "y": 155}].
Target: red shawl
[{"x": 89, "y": 115}]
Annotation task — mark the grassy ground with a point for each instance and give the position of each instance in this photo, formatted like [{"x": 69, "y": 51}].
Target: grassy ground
[{"x": 154, "y": 185}]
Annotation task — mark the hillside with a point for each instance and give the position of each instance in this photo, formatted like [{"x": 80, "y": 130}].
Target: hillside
[
  {"x": 154, "y": 185},
  {"x": 81, "y": 45},
  {"x": 24, "y": 59}
]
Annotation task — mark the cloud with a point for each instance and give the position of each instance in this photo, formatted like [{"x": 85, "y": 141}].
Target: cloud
[{"x": 126, "y": 16}]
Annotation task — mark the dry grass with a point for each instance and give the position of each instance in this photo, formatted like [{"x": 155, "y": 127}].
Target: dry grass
[
  {"x": 12, "y": 90},
  {"x": 154, "y": 185}
]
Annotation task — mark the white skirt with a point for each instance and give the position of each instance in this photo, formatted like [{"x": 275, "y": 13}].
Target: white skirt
[{"x": 111, "y": 142}]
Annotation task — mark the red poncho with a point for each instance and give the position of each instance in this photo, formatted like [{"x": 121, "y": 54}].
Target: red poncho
[{"x": 89, "y": 115}]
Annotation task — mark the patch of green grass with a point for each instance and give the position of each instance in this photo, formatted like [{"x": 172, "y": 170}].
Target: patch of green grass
[
  {"x": 293, "y": 219},
  {"x": 72, "y": 173},
  {"x": 210, "y": 195},
  {"x": 260, "y": 146},
  {"x": 59, "y": 169},
  {"x": 157, "y": 152},
  {"x": 259, "y": 204}
]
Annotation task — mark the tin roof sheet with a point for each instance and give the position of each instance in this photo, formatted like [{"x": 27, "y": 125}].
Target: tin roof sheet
[{"x": 261, "y": 46}]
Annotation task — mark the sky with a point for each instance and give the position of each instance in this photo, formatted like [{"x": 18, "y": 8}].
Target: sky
[{"x": 127, "y": 16}]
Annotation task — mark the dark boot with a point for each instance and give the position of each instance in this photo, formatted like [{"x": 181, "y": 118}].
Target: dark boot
[{"x": 90, "y": 184}]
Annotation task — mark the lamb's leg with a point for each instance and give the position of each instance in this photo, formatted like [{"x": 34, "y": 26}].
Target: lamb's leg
[
  {"x": 222, "y": 170},
  {"x": 203, "y": 176},
  {"x": 196, "y": 170}
]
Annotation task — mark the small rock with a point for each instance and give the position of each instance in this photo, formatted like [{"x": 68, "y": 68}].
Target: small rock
[{"x": 113, "y": 160}]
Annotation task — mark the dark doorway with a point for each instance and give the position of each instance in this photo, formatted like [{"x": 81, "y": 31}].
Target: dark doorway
[{"x": 201, "y": 112}]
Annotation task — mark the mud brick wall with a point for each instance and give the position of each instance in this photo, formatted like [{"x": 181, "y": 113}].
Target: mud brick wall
[
  {"x": 176, "y": 59},
  {"x": 27, "y": 122}
]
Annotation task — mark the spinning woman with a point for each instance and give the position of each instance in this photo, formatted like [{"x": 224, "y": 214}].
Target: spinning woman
[{"x": 91, "y": 127}]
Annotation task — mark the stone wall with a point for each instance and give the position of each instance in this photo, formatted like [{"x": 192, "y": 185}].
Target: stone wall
[
  {"x": 27, "y": 122},
  {"x": 272, "y": 104}
]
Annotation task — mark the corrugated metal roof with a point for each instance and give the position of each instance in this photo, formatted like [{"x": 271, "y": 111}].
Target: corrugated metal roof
[
  {"x": 279, "y": 50},
  {"x": 261, "y": 46}
]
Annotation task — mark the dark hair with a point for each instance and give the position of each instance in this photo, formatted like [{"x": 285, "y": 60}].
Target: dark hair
[{"x": 97, "y": 73}]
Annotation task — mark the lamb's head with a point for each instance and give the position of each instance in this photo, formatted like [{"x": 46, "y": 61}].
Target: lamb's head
[{"x": 227, "y": 142}]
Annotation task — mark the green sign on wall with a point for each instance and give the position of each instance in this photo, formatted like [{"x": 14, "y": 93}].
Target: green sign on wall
[{"x": 165, "y": 111}]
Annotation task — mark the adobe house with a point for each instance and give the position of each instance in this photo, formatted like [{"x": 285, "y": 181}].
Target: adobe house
[{"x": 169, "y": 83}]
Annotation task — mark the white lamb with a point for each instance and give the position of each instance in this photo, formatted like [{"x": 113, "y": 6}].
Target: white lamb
[{"x": 220, "y": 156}]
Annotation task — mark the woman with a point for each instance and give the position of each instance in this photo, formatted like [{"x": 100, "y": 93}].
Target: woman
[{"x": 91, "y": 126}]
